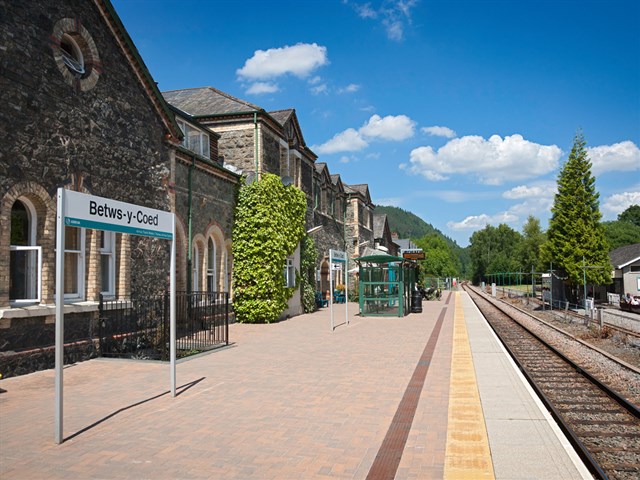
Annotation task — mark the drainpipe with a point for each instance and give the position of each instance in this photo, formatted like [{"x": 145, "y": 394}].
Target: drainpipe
[
  {"x": 190, "y": 216},
  {"x": 255, "y": 142}
]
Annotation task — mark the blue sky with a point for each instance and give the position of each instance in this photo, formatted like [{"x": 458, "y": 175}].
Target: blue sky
[{"x": 461, "y": 112}]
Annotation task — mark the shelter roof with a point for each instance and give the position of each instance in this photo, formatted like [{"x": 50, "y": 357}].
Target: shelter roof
[{"x": 379, "y": 258}]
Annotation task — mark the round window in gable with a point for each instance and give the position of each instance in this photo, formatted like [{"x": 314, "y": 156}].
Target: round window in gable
[
  {"x": 75, "y": 54},
  {"x": 72, "y": 55}
]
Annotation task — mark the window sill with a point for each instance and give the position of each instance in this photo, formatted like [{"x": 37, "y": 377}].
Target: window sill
[{"x": 46, "y": 310}]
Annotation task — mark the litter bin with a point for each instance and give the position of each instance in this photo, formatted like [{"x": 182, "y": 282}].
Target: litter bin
[{"x": 416, "y": 301}]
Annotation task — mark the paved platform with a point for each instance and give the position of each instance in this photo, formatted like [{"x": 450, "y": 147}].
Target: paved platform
[{"x": 429, "y": 395}]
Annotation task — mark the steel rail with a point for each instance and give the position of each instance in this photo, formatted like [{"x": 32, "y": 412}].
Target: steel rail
[{"x": 582, "y": 450}]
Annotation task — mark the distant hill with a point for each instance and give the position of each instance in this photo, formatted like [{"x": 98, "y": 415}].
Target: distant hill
[{"x": 409, "y": 225}]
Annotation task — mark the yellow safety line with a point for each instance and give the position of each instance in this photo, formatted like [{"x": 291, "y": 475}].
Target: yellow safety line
[{"x": 467, "y": 454}]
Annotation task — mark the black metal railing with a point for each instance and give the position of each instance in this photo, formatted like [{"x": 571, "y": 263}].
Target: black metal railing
[{"x": 139, "y": 327}]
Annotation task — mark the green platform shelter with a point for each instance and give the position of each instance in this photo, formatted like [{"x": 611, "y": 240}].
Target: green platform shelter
[{"x": 385, "y": 285}]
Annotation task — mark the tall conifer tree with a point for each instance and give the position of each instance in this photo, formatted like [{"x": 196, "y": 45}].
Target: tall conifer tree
[{"x": 575, "y": 231}]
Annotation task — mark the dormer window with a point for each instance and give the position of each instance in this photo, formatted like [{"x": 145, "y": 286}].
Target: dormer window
[{"x": 195, "y": 139}]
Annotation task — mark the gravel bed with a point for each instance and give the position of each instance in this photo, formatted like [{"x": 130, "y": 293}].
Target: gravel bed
[{"x": 621, "y": 379}]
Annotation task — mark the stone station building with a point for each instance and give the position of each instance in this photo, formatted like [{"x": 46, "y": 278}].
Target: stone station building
[{"x": 80, "y": 110}]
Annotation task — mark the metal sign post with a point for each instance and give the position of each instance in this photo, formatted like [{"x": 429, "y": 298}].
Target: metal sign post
[{"x": 80, "y": 210}]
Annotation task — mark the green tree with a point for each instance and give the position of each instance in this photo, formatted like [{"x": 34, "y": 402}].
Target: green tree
[
  {"x": 621, "y": 233},
  {"x": 575, "y": 238},
  {"x": 308, "y": 256},
  {"x": 440, "y": 261},
  {"x": 631, "y": 215},
  {"x": 492, "y": 251},
  {"x": 529, "y": 249},
  {"x": 269, "y": 224}
]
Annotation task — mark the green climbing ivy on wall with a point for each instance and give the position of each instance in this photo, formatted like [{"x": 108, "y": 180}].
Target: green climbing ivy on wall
[
  {"x": 308, "y": 256},
  {"x": 269, "y": 224}
]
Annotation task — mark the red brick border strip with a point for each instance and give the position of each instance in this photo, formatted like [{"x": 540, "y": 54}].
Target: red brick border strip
[{"x": 388, "y": 457}]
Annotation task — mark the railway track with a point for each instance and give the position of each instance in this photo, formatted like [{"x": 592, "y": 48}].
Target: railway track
[
  {"x": 579, "y": 317},
  {"x": 603, "y": 427}
]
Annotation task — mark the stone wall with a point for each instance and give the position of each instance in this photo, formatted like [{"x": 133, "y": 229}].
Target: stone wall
[
  {"x": 270, "y": 152},
  {"x": 236, "y": 146},
  {"x": 107, "y": 140},
  {"x": 97, "y": 133}
]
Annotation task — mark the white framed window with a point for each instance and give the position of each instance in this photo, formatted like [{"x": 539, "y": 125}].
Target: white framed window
[
  {"x": 289, "y": 274},
  {"x": 211, "y": 266},
  {"x": 194, "y": 139},
  {"x": 74, "y": 240},
  {"x": 107, "y": 263},
  {"x": 25, "y": 257},
  {"x": 195, "y": 269}
]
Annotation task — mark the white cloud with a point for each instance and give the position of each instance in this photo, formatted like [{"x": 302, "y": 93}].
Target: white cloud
[
  {"x": 619, "y": 202},
  {"x": 348, "y": 159},
  {"x": 477, "y": 222},
  {"x": 365, "y": 11},
  {"x": 259, "y": 88},
  {"x": 315, "y": 80},
  {"x": 391, "y": 127},
  {"x": 493, "y": 161},
  {"x": 621, "y": 157},
  {"x": 318, "y": 89},
  {"x": 389, "y": 202},
  {"x": 351, "y": 88},
  {"x": 539, "y": 190},
  {"x": 395, "y": 29},
  {"x": 395, "y": 15},
  {"x": 437, "y": 131},
  {"x": 299, "y": 60},
  {"x": 348, "y": 141}
]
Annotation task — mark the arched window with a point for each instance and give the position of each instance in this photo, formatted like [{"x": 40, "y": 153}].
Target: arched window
[
  {"x": 211, "y": 266},
  {"x": 25, "y": 263},
  {"x": 195, "y": 268}
]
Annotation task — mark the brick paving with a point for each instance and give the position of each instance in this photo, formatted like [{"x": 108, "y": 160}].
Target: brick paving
[{"x": 292, "y": 400}]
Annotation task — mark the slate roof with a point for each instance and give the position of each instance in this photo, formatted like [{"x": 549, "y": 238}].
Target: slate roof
[
  {"x": 320, "y": 166},
  {"x": 335, "y": 178},
  {"x": 203, "y": 101},
  {"x": 282, "y": 116},
  {"x": 362, "y": 188},
  {"x": 379, "y": 221},
  {"x": 404, "y": 243},
  {"x": 623, "y": 256}
]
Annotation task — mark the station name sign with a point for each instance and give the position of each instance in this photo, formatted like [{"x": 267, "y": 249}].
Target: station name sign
[
  {"x": 89, "y": 211},
  {"x": 337, "y": 256},
  {"x": 413, "y": 254}
]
